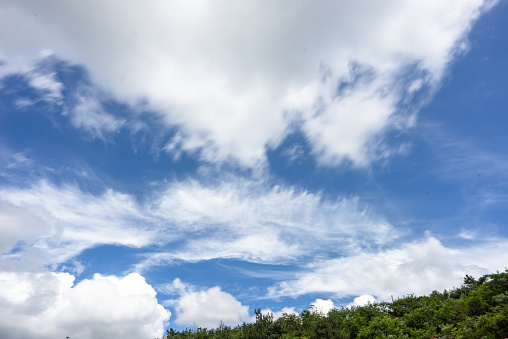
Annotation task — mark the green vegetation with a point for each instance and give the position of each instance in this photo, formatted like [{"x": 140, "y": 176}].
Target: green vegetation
[{"x": 477, "y": 309}]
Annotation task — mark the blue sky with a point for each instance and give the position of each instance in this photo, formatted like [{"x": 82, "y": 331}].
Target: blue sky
[{"x": 178, "y": 164}]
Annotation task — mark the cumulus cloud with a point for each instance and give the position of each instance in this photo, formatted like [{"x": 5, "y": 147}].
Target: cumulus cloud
[
  {"x": 362, "y": 300},
  {"x": 207, "y": 308},
  {"x": 235, "y": 76},
  {"x": 323, "y": 306},
  {"x": 487, "y": 254},
  {"x": 417, "y": 267},
  {"x": 211, "y": 306},
  {"x": 276, "y": 314},
  {"x": 49, "y": 305}
]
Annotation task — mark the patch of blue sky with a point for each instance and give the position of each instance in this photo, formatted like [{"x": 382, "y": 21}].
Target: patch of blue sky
[{"x": 125, "y": 160}]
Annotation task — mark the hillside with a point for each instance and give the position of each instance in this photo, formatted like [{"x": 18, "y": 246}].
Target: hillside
[{"x": 477, "y": 309}]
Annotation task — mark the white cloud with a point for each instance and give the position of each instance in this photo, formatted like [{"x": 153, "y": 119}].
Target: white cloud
[
  {"x": 84, "y": 108},
  {"x": 263, "y": 224},
  {"x": 50, "y": 88},
  {"x": 43, "y": 81},
  {"x": 487, "y": 255},
  {"x": 70, "y": 220},
  {"x": 245, "y": 220},
  {"x": 18, "y": 224},
  {"x": 418, "y": 267},
  {"x": 254, "y": 206},
  {"x": 468, "y": 234},
  {"x": 234, "y": 75},
  {"x": 87, "y": 113},
  {"x": 362, "y": 300},
  {"x": 22, "y": 103},
  {"x": 207, "y": 308},
  {"x": 211, "y": 306},
  {"x": 11, "y": 160},
  {"x": 49, "y": 305},
  {"x": 258, "y": 223},
  {"x": 323, "y": 306},
  {"x": 294, "y": 153},
  {"x": 276, "y": 314}
]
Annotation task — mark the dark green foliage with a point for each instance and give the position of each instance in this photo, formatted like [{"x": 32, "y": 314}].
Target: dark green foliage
[
  {"x": 264, "y": 327},
  {"x": 476, "y": 310}
]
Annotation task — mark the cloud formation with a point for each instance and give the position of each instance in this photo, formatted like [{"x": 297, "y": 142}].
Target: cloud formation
[
  {"x": 88, "y": 114},
  {"x": 259, "y": 223},
  {"x": 236, "y": 77},
  {"x": 263, "y": 224},
  {"x": 49, "y": 305},
  {"x": 71, "y": 220},
  {"x": 19, "y": 224},
  {"x": 362, "y": 300},
  {"x": 420, "y": 267},
  {"x": 323, "y": 306},
  {"x": 355, "y": 251},
  {"x": 208, "y": 308}
]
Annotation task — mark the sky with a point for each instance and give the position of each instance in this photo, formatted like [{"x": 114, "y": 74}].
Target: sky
[{"x": 181, "y": 163}]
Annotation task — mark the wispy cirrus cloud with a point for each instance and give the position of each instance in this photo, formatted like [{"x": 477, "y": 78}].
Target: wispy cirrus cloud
[
  {"x": 82, "y": 103},
  {"x": 50, "y": 88},
  {"x": 259, "y": 223},
  {"x": 88, "y": 113},
  {"x": 74, "y": 220},
  {"x": 263, "y": 224}
]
